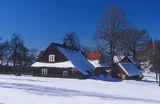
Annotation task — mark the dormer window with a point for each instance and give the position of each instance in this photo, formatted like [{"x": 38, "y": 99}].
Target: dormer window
[{"x": 51, "y": 58}]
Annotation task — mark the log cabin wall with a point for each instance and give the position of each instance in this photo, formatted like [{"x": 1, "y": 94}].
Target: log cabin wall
[
  {"x": 52, "y": 50},
  {"x": 58, "y": 72}
]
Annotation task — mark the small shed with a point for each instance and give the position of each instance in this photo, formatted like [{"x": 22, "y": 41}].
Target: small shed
[{"x": 127, "y": 68}]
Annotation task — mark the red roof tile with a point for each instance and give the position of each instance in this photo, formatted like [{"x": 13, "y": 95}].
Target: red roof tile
[{"x": 93, "y": 55}]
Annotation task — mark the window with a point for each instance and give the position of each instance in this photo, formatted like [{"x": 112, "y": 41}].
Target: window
[
  {"x": 65, "y": 73},
  {"x": 123, "y": 76},
  {"x": 51, "y": 58},
  {"x": 44, "y": 72},
  {"x": 73, "y": 71}
]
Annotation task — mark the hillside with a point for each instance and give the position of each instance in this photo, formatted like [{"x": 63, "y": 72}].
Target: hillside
[{"x": 39, "y": 90}]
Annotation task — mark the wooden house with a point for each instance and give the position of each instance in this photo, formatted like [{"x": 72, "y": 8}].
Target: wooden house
[
  {"x": 62, "y": 61},
  {"x": 127, "y": 68}
]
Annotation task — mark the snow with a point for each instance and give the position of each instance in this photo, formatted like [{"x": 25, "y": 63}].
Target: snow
[
  {"x": 129, "y": 68},
  {"x": 5, "y": 63},
  {"x": 117, "y": 59},
  {"x": 40, "y": 90},
  {"x": 66, "y": 64},
  {"x": 96, "y": 63},
  {"x": 146, "y": 66},
  {"x": 77, "y": 59}
]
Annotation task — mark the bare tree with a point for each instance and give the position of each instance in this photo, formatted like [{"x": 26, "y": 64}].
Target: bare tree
[
  {"x": 109, "y": 31},
  {"x": 18, "y": 52},
  {"x": 14, "y": 52},
  {"x": 134, "y": 40},
  {"x": 4, "y": 52},
  {"x": 31, "y": 57}
]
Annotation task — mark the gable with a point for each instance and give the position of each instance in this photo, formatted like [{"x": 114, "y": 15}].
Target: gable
[
  {"x": 52, "y": 50},
  {"x": 126, "y": 60}
]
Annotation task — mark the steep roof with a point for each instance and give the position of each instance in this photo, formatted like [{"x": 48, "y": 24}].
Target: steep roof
[
  {"x": 130, "y": 69},
  {"x": 77, "y": 59},
  {"x": 132, "y": 59}
]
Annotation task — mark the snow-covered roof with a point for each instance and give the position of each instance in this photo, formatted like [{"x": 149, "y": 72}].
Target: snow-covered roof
[
  {"x": 77, "y": 59},
  {"x": 132, "y": 59},
  {"x": 117, "y": 59},
  {"x": 66, "y": 64},
  {"x": 96, "y": 63},
  {"x": 5, "y": 63},
  {"x": 130, "y": 69}
]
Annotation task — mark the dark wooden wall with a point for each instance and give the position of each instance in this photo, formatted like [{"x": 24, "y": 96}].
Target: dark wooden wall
[
  {"x": 52, "y": 50},
  {"x": 58, "y": 72}
]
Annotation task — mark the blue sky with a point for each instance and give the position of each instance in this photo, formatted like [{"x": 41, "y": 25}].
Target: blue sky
[{"x": 44, "y": 21}]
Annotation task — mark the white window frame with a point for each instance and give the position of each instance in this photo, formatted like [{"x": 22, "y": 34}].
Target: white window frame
[
  {"x": 51, "y": 58},
  {"x": 65, "y": 73},
  {"x": 44, "y": 72},
  {"x": 73, "y": 71}
]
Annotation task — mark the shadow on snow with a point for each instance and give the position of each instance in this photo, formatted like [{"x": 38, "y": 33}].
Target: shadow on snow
[
  {"x": 52, "y": 91},
  {"x": 108, "y": 78}
]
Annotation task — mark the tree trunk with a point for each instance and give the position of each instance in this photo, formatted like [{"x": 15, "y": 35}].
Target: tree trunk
[
  {"x": 134, "y": 54},
  {"x": 112, "y": 64},
  {"x": 111, "y": 59},
  {"x": 156, "y": 75}
]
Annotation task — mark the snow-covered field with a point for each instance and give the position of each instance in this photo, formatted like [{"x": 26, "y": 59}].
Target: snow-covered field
[{"x": 38, "y": 90}]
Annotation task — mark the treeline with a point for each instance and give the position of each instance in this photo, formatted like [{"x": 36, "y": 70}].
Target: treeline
[{"x": 15, "y": 57}]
